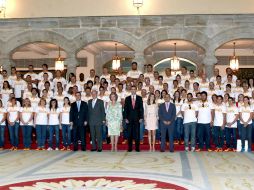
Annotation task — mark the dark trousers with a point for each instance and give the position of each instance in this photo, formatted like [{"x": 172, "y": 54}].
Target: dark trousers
[
  {"x": 231, "y": 137},
  {"x": 246, "y": 135},
  {"x": 164, "y": 130},
  {"x": 218, "y": 136},
  {"x": 133, "y": 133},
  {"x": 96, "y": 135},
  {"x": 79, "y": 131},
  {"x": 204, "y": 135}
]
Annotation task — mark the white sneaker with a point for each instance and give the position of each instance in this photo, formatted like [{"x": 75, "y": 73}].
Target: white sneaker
[
  {"x": 57, "y": 149},
  {"x": 186, "y": 149},
  {"x": 49, "y": 149},
  {"x": 192, "y": 149}
]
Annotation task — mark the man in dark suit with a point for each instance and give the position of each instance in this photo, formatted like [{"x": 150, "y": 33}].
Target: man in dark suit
[
  {"x": 133, "y": 115},
  {"x": 96, "y": 119},
  {"x": 78, "y": 120},
  {"x": 167, "y": 115}
]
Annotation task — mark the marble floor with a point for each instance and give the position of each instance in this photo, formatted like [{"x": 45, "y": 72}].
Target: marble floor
[{"x": 202, "y": 170}]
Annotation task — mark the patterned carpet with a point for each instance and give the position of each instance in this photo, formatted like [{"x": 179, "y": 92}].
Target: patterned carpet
[{"x": 131, "y": 171}]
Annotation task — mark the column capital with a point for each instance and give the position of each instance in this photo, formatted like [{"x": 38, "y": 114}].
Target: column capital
[{"x": 210, "y": 60}]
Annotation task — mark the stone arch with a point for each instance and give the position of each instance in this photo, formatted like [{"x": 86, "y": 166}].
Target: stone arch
[
  {"x": 174, "y": 33},
  {"x": 230, "y": 35},
  {"x": 38, "y": 36},
  {"x": 96, "y": 35}
]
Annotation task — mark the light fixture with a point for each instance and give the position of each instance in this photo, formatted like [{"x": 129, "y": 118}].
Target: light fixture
[
  {"x": 175, "y": 62},
  {"x": 2, "y": 7},
  {"x": 59, "y": 63},
  {"x": 116, "y": 63},
  {"x": 138, "y": 3},
  {"x": 234, "y": 62}
]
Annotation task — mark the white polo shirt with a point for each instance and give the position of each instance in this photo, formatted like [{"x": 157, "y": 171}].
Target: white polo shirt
[
  {"x": 178, "y": 108},
  {"x": 19, "y": 85},
  {"x": 41, "y": 115},
  {"x": 13, "y": 112},
  {"x": 54, "y": 116},
  {"x": 3, "y": 111},
  {"x": 204, "y": 112},
  {"x": 219, "y": 110},
  {"x": 26, "y": 114},
  {"x": 133, "y": 74},
  {"x": 65, "y": 111},
  {"x": 232, "y": 112},
  {"x": 246, "y": 111},
  {"x": 189, "y": 112}
]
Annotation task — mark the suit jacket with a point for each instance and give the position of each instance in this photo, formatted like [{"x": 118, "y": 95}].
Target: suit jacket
[
  {"x": 169, "y": 115},
  {"x": 133, "y": 114},
  {"x": 79, "y": 117},
  {"x": 97, "y": 114}
]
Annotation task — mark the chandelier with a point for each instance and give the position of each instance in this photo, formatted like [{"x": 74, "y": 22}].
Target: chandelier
[
  {"x": 59, "y": 63},
  {"x": 175, "y": 62},
  {"x": 234, "y": 62},
  {"x": 137, "y": 3},
  {"x": 2, "y": 7},
  {"x": 116, "y": 63}
]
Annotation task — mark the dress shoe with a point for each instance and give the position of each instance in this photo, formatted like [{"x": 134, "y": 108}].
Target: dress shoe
[
  {"x": 171, "y": 151},
  {"x": 137, "y": 150},
  {"x": 162, "y": 150},
  {"x": 99, "y": 150},
  {"x": 75, "y": 149},
  {"x": 129, "y": 150},
  {"x": 83, "y": 149},
  {"x": 93, "y": 150}
]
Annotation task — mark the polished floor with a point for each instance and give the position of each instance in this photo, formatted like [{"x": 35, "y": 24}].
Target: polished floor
[{"x": 200, "y": 170}]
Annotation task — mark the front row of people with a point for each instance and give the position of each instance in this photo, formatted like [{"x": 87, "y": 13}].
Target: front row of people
[{"x": 206, "y": 119}]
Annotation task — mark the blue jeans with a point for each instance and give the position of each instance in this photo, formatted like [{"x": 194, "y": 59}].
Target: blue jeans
[
  {"x": 26, "y": 132},
  {"x": 239, "y": 128},
  {"x": 41, "y": 131},
  {"x": 246, "y": 135},
  {"x": 2, "y": 129},
  {"x": 231, "y": 137},
  {"x": 14, "y": 134},
  {"x": 204, "y": 135},
  {"x": 66, "y": 133},
  {"x": 218, "y": 136},
  {"x": 142, "y": 130},
  {"x": 178, "y": 131},
  {"x": 53, "y": 129},
  {"x": 190, "y": 130}
]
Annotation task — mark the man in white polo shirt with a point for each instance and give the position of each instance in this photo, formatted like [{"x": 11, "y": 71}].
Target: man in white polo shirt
[
  {"x": 134, "y": 72},
  {"x": 189, "y": 112}
]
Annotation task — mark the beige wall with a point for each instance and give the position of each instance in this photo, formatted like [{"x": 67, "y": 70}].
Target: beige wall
[{"x": 66, "y": 8}]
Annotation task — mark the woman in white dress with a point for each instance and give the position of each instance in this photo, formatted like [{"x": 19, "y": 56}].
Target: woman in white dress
[
  {"x": 151, "y": 119},
  {"x": 5, "y": 93}
]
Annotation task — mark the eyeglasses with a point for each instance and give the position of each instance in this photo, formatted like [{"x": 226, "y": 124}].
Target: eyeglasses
[{"x": 189, "y": 106}]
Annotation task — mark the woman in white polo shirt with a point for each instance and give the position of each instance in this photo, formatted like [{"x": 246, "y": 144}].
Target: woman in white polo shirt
[
  {"x": 5, "y": 93},
  {"x": 41, "y": 123},
  {"x": 2, "y": 124},
  {"x": 178, "y": 131},
  {"x": 218, "y": 122},
  {"x": 232, "y": 116},
  {"x": 26, "y": 122},
  {"x": 53, "y": 123},
  {"x": 189, "y": 111},
  {"x": 246, "y": 115},
  {"x": 13, "y": 122},
  {"x": 65, "y": 124}
]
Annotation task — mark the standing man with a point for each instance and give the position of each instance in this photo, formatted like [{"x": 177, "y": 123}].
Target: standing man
[
  {"x": 133, "y": 115},
  {"x": 97, "y": 118},
  {"x": 78, "y": 121},
  {"x": 167, "y": 116}
]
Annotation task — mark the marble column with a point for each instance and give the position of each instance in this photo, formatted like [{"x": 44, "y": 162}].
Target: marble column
[
  {"x": 72, "y": 63},
  {"x": 209, "y": 62},
  {"x": 140, "y": 59},
  {"x": 6, "y": 62}
]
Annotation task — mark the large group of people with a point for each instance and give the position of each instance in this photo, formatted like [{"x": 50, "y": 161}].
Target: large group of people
[{"x": 187, "y": 108}]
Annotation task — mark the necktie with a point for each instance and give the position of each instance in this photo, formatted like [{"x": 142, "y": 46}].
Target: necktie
[
  {"x": 167, "y": 106},
  {"x": 78, "y": 103},
  {"x": 133, "y": 102}
]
